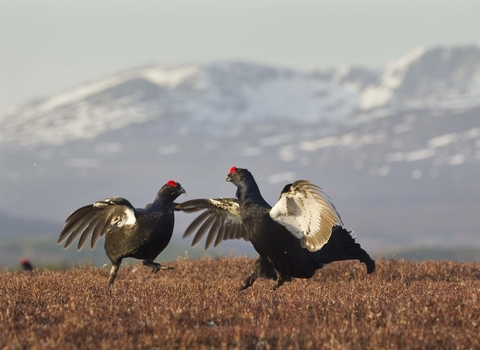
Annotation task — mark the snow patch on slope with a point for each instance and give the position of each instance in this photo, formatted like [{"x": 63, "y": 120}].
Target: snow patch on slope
[
  {"x": 392, "y": 78},
  {"x": 447, "y": 78}
]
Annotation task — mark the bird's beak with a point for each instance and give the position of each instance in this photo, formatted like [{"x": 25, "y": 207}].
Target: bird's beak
[
  {"x": 182, "y": 190},
  {"x": 228, "y": 178}
]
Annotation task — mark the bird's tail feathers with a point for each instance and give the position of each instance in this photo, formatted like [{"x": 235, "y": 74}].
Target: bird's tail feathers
[{"x": 342, "y": 246}]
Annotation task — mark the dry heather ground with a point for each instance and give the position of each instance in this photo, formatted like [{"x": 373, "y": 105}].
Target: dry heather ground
[{"x": 403, "y": 305}]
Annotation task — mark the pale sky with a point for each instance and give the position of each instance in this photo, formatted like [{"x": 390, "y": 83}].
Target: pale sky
[{"x": 47, "y": 46}]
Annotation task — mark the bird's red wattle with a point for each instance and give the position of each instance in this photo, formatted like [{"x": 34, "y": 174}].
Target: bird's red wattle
[{"x": 233, "y": 169}]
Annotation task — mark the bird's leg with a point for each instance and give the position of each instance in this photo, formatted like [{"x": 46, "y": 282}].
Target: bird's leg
[
  {"x": 253, "y": 275},
  {"x": 113, "y": 273},
  {"x": 155, "y": 266},
  {"x": 281, "y": 278},
  {"x": 262, "y": 268},
  {"x": 249, "y": 281}
]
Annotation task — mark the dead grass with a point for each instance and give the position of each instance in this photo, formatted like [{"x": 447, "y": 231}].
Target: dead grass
[{"x": 403, "y": 305}]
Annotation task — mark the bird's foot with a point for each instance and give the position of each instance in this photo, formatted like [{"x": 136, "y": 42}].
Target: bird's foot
[
  {"x": 166, "y": 268},
  {"x": 247, "y": 283},
  {"x": 156, "y": 266},
  {"x": 245, "y": 286},
  {"x": 275, "y": 286},
  {"x": 280, "y": 281}
]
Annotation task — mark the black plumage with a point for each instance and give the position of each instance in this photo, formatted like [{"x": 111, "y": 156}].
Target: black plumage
[
  {"x": 299, "y": 235},
  {"x": 26, "y": 265},
  {"x": 129, "y": 232}
]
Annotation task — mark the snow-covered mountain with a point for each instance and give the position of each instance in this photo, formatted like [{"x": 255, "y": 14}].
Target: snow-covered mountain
[
  {"x": 439, "y": 78},
  {"x": 197, "y": 94},
  {"x": 398, "y": 150},
  {"x": 222, "y": 93}
]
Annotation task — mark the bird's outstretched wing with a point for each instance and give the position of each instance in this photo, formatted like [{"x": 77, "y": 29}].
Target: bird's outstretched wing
[
  {"x": 306, "y": 211},
  {"x": 97, "y": 220},
  {"x": 221, "y": 220}
]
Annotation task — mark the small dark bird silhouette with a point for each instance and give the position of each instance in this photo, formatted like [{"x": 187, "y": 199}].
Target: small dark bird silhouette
[
  {"x": 26, "y": 265},
  {"x": 299, "y": 235},
  {"x": 130, "y": 232}
]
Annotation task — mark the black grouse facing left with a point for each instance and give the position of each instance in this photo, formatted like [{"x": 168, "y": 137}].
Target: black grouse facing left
[
  {"x": 299, "y": 235},
  {"x": 129, "y": 232}
]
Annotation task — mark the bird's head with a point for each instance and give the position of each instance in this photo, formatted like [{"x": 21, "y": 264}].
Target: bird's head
[
  {"x": 172, "y": 189},
  {"x": 236, "y": 175}
]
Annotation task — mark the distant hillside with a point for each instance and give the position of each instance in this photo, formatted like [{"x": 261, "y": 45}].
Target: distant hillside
[
  {"x": 14, "y": 226},
  {"x": 43, "y": 252},
  {"x": 435, "y": 253}
]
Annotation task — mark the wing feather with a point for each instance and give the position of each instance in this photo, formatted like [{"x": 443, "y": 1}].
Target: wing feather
[
  {"x": 212, "y": 234},
  {"x": 220, "y": 219},
  {"x": 205, "y": 228},
  {"x": 221, "y": 233},
  {"x": 100, "y": 230},
  {"x": 87, "y": 232},
  {"x": 306, "y": 211},
  {"x": 199, "y": 220},
  {"x": 76, "y": 230},
  {"x": 71, "y": 223},
  {"x": 234, "y": 232},
  {"x": 77, "y": 213},
  {"x": 96, "y": 220}
]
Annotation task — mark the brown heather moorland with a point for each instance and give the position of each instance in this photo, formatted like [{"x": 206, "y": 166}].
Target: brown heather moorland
[{"x": 403, "y": 305}]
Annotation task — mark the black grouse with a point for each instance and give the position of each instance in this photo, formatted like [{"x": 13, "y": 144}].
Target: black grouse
[
  {"x": 26, "y": 265},
  {"x": 130, "y": 232},
  {"x": 299, "y": 235}
]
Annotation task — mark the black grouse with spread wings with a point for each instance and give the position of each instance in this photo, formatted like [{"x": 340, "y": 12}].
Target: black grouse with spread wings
[
  {"x": 294, "y": 238},
  {"x": 130, "y": 232}
]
